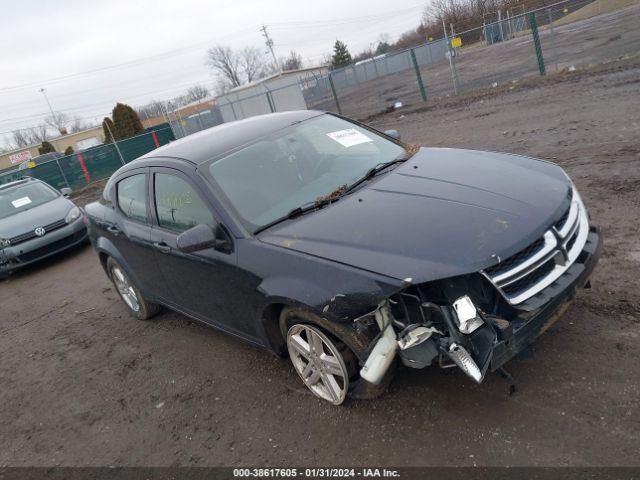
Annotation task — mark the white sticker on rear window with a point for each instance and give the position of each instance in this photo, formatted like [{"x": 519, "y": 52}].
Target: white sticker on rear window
[
  {"x": 349, "y": 137},
  {"x": 21, "y": 202}
]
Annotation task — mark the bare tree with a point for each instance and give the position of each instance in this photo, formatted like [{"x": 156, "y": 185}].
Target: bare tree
[
  {"x": 58, "y": 121},
  {"x": 78, "y": 124},
  {"x": 29, "y": 136},
  {"x": 195, "y": 93},
  {"x": 292, "y": 62},
  {"x": 226, "y": 63},
  {"x": 253, "y": 63}
]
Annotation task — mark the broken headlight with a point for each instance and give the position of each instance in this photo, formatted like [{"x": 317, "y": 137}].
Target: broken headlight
[{"x": 467, "y": 315}]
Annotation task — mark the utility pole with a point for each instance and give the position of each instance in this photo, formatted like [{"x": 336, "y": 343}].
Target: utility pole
[
  {"x": 269, "y": 44},
  {"x": 62, "y": 130}
]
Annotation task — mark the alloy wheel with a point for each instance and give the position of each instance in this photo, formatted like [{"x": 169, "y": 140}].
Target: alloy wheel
[
  {"x": 318, "y": 362},
  {"x": 125, "y": 289}
]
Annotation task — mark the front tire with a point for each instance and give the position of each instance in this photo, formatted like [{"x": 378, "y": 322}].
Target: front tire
[
  {"x": 332, "y": 353},
  {"x": 318, "y": 362},
  {"x": 137, "y": 305}
]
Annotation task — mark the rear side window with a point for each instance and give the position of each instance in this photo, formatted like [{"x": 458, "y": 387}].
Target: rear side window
[
  {"x": 178, "y": 206},
  {"x": 131, "y": 197}
]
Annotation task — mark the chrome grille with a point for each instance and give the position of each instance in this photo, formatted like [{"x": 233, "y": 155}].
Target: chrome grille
[
  {"x": 534, "y": 268},
  {"x": 29, "y": 235}
]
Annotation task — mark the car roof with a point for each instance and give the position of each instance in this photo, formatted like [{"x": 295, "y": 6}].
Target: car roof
[
  {"x": 20, "y": 181},
  {"x": 212, "y": 142}
]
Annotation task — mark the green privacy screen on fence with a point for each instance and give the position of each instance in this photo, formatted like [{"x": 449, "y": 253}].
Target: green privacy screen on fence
[{"x": 95, "y": 163}]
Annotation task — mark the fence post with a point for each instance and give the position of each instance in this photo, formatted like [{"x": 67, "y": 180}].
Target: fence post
[
  {"x": 62, "y": 173},
  {"x": 454, "y": 74},
  {"x": 270, "y": 101},
  {"x": 423, "y": 94},
  {"x": 553, "y": 38},
  {"x": 115, "y": 142},
  {"x": 536, "y": 42},
  {"x": 335, "y": 96}
]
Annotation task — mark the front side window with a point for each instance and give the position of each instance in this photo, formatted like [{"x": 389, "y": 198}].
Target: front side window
[
  {"x": 178, "y": 206},
  {"x": 132, "y": 197}
]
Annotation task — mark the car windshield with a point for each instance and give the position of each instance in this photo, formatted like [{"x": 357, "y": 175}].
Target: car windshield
[
  {"x": 297, "y": 166},
  {"x": 24, "y": 197}
]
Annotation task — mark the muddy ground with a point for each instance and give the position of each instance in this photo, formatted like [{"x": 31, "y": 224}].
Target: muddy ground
[{"x": 82, "y": 383}]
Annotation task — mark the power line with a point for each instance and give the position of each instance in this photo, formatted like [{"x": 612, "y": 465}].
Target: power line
[{"x": 130, "y": 63}]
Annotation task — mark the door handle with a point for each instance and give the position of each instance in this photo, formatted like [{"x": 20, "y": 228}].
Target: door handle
[
  {"x": 113, "y": 229},
  {"x": 162, "y": 247}
]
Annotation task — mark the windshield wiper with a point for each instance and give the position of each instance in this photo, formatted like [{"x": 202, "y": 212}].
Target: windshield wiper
[
  {"x": 337, "y": 193},
  {"x": 373, "y": 171},
  {"x": 296, "y": 212}
]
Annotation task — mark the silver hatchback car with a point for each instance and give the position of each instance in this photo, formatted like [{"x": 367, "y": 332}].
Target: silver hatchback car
[{"x": 36, "y": 221}]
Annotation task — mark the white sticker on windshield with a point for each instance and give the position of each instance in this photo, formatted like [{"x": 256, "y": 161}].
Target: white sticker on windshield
[
  {"x": 349, "y": 137},
  {"x": 21, "y": 202}
]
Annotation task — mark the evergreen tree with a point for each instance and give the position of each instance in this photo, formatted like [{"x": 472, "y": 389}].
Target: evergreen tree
[
  {"x": 46, "y": 148},
  {"x": 107, "y": 128},
  {"x": 68, "y": 150},
  {"x": 125, "y": 122},
  {"x": 341, "y": 56}
]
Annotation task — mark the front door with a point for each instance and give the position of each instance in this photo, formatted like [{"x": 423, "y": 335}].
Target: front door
[{"x": 203, "y": 284}]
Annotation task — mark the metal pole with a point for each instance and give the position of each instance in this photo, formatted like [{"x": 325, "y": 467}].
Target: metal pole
[
  {"x": 423, "y": 94},
  {"x": 199, "y": 119},
  {"x": 169, "y": 121},
  {"x": 233, "y": 110},
  {"x": 177, "y": 114},
  {"x": 115, "y": 142},
  {"x": 454, "y": 76},
  {"x": 269, "y": 101},
  {"x": 536, "y": 43},
  {"x": 500, "y": 25},
  {"x": 553, "y": 38},
  {"x": 335, "y": 95},
  {"x": 62, "y": 173}
]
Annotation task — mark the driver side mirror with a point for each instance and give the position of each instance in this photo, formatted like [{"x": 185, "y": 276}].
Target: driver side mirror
[
  {"x": 202, "y": 237},
  {"x": 66, "y": 192},
  {"x": 393, "y": 134}
]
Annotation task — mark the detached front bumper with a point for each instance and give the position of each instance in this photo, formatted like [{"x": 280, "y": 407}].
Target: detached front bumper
[
  {"x": 18, "y": 256},
  {"x": 488, "y": 347}
]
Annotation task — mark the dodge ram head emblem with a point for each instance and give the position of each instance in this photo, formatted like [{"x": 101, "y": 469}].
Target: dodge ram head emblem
[{"x": 40, "y": 231}]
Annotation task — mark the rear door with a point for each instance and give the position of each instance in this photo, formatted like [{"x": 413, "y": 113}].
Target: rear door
[
  {"x": 204, "y": 284},
  {"x": 128, "y": 227}
]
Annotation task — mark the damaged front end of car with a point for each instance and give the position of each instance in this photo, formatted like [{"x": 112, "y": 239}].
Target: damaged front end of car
[
  {"x": 423, "y": 329},
  {"x": 464, "y": 322},
  {"x": 479, "y": 321}
]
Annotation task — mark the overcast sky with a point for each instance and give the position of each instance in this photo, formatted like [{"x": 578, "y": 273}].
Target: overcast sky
[{"x": 89, "y": 54}]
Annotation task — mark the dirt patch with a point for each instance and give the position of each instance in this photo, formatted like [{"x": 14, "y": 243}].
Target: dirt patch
[{"x": 89, "y": 193}]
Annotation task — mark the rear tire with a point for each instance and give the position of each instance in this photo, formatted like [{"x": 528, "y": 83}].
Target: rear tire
[{"x": 137, "y": 305}]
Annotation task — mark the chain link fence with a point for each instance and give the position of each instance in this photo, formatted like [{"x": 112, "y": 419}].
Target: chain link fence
[
  {"x": 79, "y": 169},
  {"x": 511, "y": 48}
]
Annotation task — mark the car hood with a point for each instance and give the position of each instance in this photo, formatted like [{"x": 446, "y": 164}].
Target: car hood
[
  {"x": 39, "y": 216},
  {"x": 444, "y": 212}
]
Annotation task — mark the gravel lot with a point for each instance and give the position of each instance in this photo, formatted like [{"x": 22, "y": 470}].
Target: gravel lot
[
  {"x": 82, "y": 383},
  {"x": 579, "y": 44}
]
